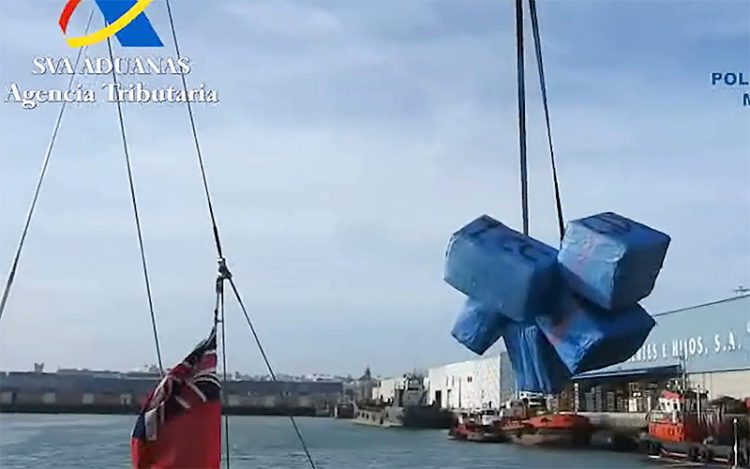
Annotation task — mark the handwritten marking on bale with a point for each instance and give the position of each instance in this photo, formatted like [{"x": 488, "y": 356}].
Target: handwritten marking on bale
[
  {"x": 611, "y": 260},
  {"x": 501, "y": 268}
]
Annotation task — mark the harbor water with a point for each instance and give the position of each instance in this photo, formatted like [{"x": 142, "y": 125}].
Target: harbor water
[{"x": 102, "y": 441}]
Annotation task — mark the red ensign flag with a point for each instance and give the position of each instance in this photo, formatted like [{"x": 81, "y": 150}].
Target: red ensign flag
[{"x": 180, "y": 423}]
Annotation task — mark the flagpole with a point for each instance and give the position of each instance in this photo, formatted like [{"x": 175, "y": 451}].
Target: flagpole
[{"x": 224, "y": 274}]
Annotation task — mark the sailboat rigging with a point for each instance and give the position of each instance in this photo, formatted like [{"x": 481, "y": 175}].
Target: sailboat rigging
[{"x": 189, "y": 390}]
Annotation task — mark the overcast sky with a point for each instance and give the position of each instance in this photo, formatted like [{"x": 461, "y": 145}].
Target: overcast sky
[{"x": 351, "y": 139}]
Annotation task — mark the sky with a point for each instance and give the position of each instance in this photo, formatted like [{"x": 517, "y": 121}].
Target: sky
[{"x": 351, "y": 139}]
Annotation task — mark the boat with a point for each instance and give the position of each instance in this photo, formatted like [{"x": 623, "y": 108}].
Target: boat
[
  {"x": 344, "y": 409},
  {"x": 686, "y": 426},
  {"x": 478, "y": 427},
  {"x": 527, "y": 421},
  {"x": 407, "y": 409}
]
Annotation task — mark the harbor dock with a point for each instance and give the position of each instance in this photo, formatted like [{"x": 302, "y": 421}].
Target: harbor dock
[{"x": 92, "y": 392}]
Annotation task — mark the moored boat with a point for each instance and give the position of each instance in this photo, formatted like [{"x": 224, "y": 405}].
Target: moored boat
[
  {"x": 685, "y": 426},
  {"x": 478, "y": 427},
  {"x": 527, "y": 421},
  {"x": 408, "y": 409},
  {"x": 344, "y": 409},
  {"x": 562, "y": 430}
]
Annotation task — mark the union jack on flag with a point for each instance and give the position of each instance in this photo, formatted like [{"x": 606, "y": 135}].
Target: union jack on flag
[{"x": 180, "y": 423}]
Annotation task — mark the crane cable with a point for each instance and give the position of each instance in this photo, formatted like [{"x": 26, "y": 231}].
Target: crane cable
[
  {"x": 522, "y": 136},
  {"x": 522, "y": 117},
  {"x": 40, "y": 180},
  {"x": 224, "y": 273},
  {"x": 543, "y": 87}
]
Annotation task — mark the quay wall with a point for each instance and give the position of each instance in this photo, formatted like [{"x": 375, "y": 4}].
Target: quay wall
[{"x": 56, "y": 393}]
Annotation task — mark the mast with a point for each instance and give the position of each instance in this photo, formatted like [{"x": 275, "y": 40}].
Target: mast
[{"x": 683, "y": 366}]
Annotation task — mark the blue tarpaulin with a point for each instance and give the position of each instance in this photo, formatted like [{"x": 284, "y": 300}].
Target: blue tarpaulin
[
  {"x": 559, "y": 313},
  {"x": 478, "y": 327},
  {"x": 610, "y": 260},
  {"x": 502, "y": 269},
  {"x": 536, "y": 366},
  {"x": 587, "y": 337}
]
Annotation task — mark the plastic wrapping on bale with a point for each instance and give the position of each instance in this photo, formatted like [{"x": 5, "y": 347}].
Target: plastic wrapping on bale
[
  {"x": 586, "y": 337},
  {"x": 536, "y": 366},
  {"x": 610, "y": 260},
  {"x": 502, "y": 268},
  {"x": 478, "y": 327}
]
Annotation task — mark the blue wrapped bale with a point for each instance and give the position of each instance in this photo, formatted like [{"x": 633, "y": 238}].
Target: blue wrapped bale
[
  {"x": 501, "y": 268},
  {"x": 587, "y": 337},
  {"x": 610, "y": 260},
  {"x": 536, "y": 366},
  {"x": 478, "y": 327}
]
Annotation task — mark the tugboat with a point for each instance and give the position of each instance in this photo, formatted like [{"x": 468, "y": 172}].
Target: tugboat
[
  {"x": 479, "y": 427},
  {"x": 527, "y": 421},
  {"x": 408, "y": 409},
  {"x": 685, "y": 426}
]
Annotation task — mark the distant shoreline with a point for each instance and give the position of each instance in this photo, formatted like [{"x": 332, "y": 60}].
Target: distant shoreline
[{"x": 130, "y": 410}]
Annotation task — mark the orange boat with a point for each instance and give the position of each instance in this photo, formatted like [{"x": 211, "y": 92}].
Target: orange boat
[
  {"x": 478, "y": 427},
  {"x": 686, "y": 426},
  {"x": 527, "y": 421}
]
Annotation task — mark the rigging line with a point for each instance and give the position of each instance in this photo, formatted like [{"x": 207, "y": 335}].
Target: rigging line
[
  {"x": 268, "y": 366},
  {"x": 214, "y": 226},
  {"x": 543, "y": 86},
  {"x": 219, "y": 317},
  {"x": 42, "y": 173},
  {"x": 135, "y": 212},
  {"x": 522, "y": 116}
]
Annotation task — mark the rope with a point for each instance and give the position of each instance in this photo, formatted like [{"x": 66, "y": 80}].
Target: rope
[
  {"x": 43, "y": 172},
  {"x": 214, "y": 226},
  {"x": 219, "y": 318},
  {"x": 215, "y": 229},
  {"x": 543, "y": 86},
  {"x": 268, "y": 366},
  {"x": 135, "y": 212},
  {"x": 522, "y": 116}
]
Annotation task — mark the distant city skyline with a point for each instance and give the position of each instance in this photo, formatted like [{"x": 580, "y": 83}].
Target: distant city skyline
[
  {"x": 350, "y": 140},
  {"x": 231, "y": 374}
]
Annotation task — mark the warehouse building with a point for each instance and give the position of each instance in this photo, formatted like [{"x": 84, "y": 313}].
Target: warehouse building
[
  {"x": 474, "y": 384},
  {"x": 705, "y": 347},
  {"x": 385, "y": 391}
]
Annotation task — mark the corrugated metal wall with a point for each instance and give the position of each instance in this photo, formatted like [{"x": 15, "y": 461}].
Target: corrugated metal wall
[{"x": 723, "y": 383}]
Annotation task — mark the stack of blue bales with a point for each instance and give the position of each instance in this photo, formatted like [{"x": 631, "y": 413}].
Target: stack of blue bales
[{"x": 560, "y": 313}]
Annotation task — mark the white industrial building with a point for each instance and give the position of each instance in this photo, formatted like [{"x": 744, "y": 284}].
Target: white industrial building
[
  {"x": 386, "y": 389},
  {"x": 485, "y": 382}
]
